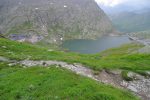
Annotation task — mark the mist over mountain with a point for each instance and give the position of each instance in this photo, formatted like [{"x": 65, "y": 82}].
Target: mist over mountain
[
  {"x": 131, "y": 21},
  {"x": 125, "y": 6},
  {"x": 129, "y": 16}
]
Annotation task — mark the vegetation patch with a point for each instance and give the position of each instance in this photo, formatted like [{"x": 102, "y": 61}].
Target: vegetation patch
[
  {"x": 124, "y": 57},
  {"x": 125, "y": 76},
  {"x": 53, "y": 83}
]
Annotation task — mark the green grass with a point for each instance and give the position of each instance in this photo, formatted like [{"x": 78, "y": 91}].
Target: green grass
[
  {"x": 57, "y": 83},
  {"x": 124, "y": 57},
  {"x": 39, "y": 83}
]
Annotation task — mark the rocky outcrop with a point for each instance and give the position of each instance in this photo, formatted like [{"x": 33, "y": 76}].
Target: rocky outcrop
[
  {"x": 141, "y": 87},
  {"x": 55, "y": 20},
  {"x": 1, "y": 35}
]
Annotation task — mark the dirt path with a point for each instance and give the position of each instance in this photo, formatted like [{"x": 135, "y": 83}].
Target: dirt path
[
  {"x": 112, "y": 77},
  {"x": 103, "y": 76}
]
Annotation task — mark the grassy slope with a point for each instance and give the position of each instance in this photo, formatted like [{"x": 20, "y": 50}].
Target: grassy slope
[
  {"x": 39, "y": 83},
  {"x": 123, "y": 57}
]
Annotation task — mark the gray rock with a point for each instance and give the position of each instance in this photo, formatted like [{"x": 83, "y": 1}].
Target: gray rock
[
  {"x": 115, "y": 72},
  {"x": 135, "y": 76},
  {"x": 3, "y": 59},
  {"x": 148, "y": 72},
  {"x": 132, "y": 88},
  {"x": 141, "y": 87}
]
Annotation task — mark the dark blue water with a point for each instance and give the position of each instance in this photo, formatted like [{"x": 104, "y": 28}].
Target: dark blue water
[{"x": 95, "y": 46}]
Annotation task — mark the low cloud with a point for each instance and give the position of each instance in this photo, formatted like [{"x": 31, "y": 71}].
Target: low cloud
[
  {"x": 134, "y": 3},
  {"x": 110, "y": 3}
]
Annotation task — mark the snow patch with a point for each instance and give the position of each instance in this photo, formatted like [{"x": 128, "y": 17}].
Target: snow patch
[{"x": 65, "y": 6}]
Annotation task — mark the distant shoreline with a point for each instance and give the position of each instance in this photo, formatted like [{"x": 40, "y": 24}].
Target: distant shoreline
[{"x": 138, "y": 40}]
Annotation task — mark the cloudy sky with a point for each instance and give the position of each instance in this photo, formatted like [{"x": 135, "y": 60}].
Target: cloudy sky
[{"x": 113, "y": 3}]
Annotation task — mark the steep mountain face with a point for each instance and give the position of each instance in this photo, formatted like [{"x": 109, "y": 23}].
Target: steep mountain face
[{"x": 52, "y": 21}]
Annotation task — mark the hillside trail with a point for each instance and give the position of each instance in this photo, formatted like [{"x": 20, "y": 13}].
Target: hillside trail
[{"x": 140, "y": 87}]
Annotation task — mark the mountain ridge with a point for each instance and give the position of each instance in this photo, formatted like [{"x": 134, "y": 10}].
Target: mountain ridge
[{"x": 53, "y": 20}]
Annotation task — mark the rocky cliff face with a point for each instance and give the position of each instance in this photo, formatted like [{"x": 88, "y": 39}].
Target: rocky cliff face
[{"x": 53, "y": 20}]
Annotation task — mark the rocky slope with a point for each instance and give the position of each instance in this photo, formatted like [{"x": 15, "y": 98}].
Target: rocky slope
[{"x": 52, "y": 21}]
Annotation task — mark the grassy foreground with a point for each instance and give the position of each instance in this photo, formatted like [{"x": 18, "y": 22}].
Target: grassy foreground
[
  {"x": 39, "y": 83},
  {"x": 124, "y": 57}
]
